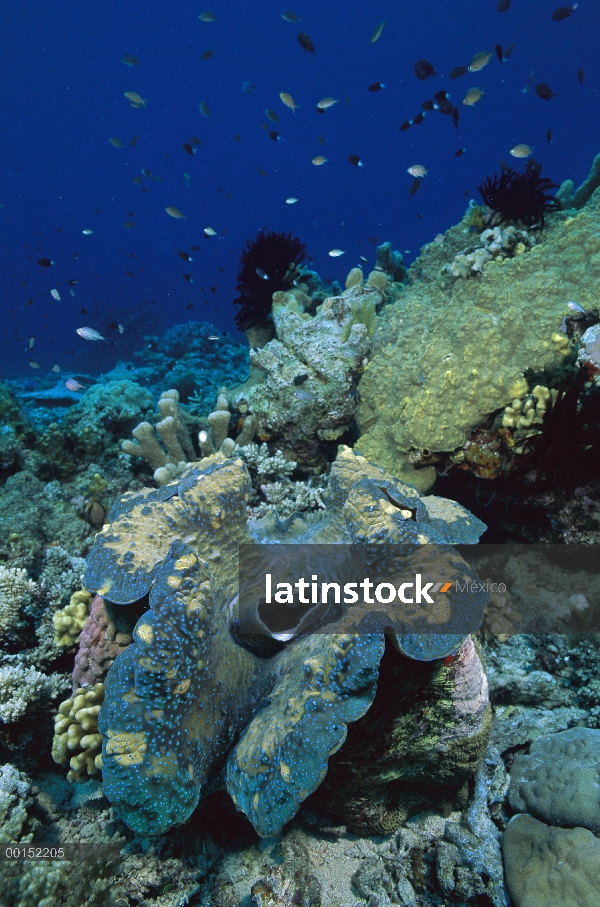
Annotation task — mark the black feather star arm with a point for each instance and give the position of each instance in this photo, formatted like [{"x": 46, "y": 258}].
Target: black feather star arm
[
  {"x": 520, "y": 196},
  {"x": 267, "y": 264}
]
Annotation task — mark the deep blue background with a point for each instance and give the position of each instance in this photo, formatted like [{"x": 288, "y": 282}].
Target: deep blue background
[{"x": 63, "y": 97}]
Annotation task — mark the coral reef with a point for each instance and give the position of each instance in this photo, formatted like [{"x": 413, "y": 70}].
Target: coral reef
[
  {"x": 100, "y": 642},
  {"x": 155, "y": 773},
  {"x": 448, "y": 355},
  {"x": 23, "y": 688},
  {"x": 16, "y": 590},
  {"x": 307, "y": 395},
  {"x": 495, "y": 244},
  {"x": 569, "y": 197},
  {"x": 14, "y": 802}
]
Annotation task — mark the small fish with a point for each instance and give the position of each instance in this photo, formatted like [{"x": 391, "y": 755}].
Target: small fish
[
  {"x": 188, "y": 148},
  {"x": 305, "y": 41},
  {"x": 563, "y": 12},
  {"x": 172, "y": 211},
  {"x": 480, "y": 60},
  {"x": 188, "y": 277},
  {"x": 31, "y": 343},
  {"x": 208, "y": 231},
  {"x": 33, "y": 364},
  {"x": 115, "y": 142},
  {"x": 45, "y": 262},
  {"x": 55, "y": 369},
  {"x": 416, "y": 185},
  {"x": 424, "y": 70},
  {"x": 405, "y": 125},
  {"x": 521, "y": 150},
  {"x": 135, "y": 99},
  {"x": 575, "y": 307},
  {"x": 458, "y": 72},
  {"x": 321, "y": 140},
  {"x": 55, "y": 295},
  {"x": 439, "y": 239},
  {"x": 90, "y": 334},
  {"x": 247, "y": 87},
  {"x": 544, "y": 91},
  {"x": 262, "y": 274},
  {"x": 472, "y": 96},
  {"x": 529, "y": 83},
  {"x": 87, "y": 232},
  {"x": 418, "y": 119},
  {"x": 291, "y": 200},
  {"x": 288, "y": 100},
  {"x": 290, "y": 17},
  {"x": 129, "y": 60},
  {"x": 203, "y": 108},
  {"x": 147, "y": 173},
  {"x": 580, "y": 76},
  {"x": 300, "y": 379},
  {"x": 304, "y": 396},
  {"x": 129, "y": 225},
  {"x": 335, "y": 253},
  {"x": 72, "y": 385},
  {"x": 271, "y": 115},
  {"x": 214, "y": 337},
  {"x": 120, "y": 328},
  {"x": 549, "y": 136},
  {"x": 133, "y": 141},
  {"x": 318, "y": 160},
  {"x": 502, "y": 5},
  {"x": 460, "y": 152},
  {"x": 376, "y": 86},
  {"x": 417, "y": 170},
  {"x": 275, "y": 136},
  {"x": 207, "y": 16},
  {"x": 503, "y": 55},
  {"x": 326, "y": 103},
  {"x": 355, "y": 160},
  {"x": 185, "y": 256},
  {"x": 262, "y": 172},
  {"x": 377, "y": 33},
  {"x": 206, "y": 55}
]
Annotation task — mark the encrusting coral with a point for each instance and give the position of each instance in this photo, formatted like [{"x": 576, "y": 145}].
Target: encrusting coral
[
  {"x": 447, "y": 355},
  {"x": 183, "y": 697}
]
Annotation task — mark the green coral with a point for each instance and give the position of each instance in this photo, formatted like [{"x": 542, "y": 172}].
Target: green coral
[
  {"x": 70, "y": 620},
  {"x": 362, "y": 311},
  {"x": 452, "y": 352},
  {"x": 76, "y": 738}
]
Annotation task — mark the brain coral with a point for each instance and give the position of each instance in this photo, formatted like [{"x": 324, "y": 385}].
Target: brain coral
[
  {"x": 186, "y": 698},
  {"x": 451, "y": 352}
]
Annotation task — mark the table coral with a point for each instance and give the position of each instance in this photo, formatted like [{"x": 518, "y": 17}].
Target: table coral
[
  {"x": 448, "y": 354},
  {"x": 186, "y": 697}
]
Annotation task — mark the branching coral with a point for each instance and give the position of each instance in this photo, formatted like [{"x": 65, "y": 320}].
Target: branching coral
[
  {"x": 16, "y": 590},
  {"x": 76, "y": 737},
  {"x": 267, "y": 265},
  {"x": 520, "y": 196},
  {"x": 69, "y": 621}
]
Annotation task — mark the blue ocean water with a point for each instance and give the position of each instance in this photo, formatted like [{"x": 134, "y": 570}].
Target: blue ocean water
[{"x": 63, "y": 98}]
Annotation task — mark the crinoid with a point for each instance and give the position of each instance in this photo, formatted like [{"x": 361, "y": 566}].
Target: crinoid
[
  {"x": 520, "y": 196},
  {"x": 267, "y": 264}
]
